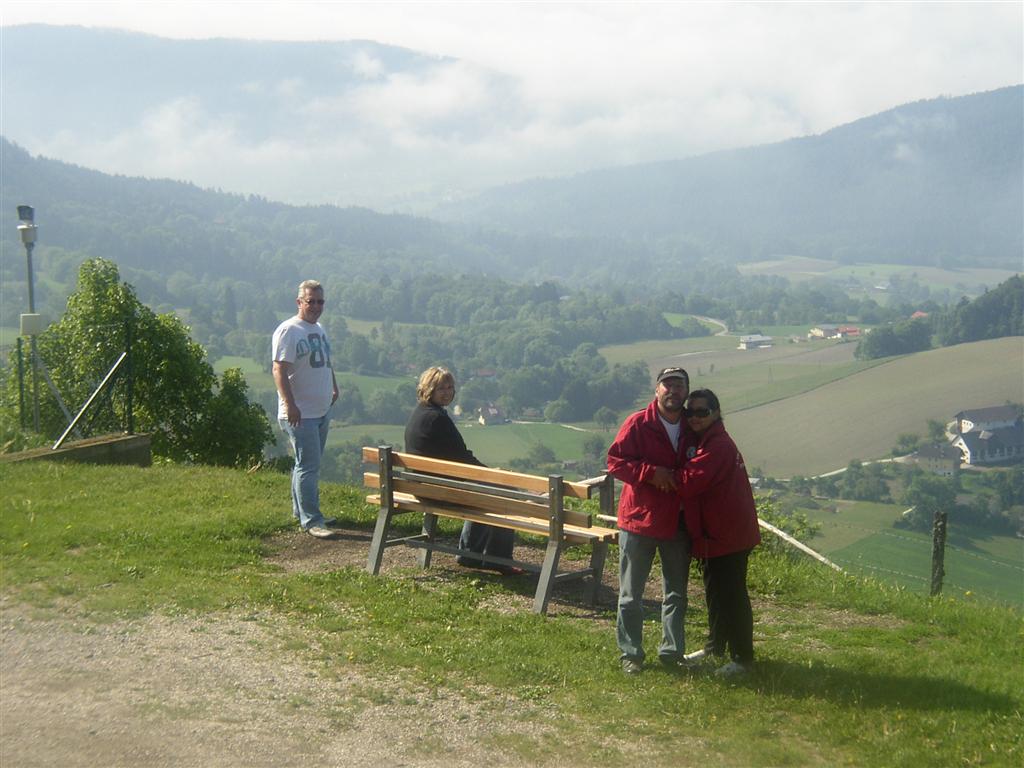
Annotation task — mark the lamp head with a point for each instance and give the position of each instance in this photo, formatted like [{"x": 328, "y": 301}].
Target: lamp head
[{"x": 26, "y": 213}]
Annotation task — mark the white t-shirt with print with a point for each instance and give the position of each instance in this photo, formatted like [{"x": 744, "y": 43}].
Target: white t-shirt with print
[{"x": 305, "y": 346}]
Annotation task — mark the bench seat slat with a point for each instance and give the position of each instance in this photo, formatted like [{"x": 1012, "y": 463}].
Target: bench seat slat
[
  {"x": 581, "y": 490},
  {"x": 573, "y": 534},
  {"x": 478, "y": 500}
]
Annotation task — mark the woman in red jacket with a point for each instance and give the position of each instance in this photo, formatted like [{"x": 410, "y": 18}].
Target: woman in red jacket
[{"x": 722, "y": 522}]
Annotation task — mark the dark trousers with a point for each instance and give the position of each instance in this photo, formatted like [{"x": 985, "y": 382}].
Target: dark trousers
[
  {"x": 487, "y": 540},
  {"x": 730, "y": 618}
]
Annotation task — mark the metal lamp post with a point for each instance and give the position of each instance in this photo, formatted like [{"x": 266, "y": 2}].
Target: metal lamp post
[{"x": 30, "y": 323}]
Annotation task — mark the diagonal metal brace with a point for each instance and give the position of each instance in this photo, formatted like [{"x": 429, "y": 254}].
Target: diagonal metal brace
[{"x": 110, "y": 375}]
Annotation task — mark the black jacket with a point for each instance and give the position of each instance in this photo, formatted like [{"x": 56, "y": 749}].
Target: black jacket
[{"x": 431, "y": 432}]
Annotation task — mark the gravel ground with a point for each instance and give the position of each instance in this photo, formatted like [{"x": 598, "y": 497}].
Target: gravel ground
[{"x": 226, "y": 690}]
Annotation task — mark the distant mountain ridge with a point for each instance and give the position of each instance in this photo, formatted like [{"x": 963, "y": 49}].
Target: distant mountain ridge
[
  {"x": 63, "y": 75},
  {"x": 933, "y": 182}
]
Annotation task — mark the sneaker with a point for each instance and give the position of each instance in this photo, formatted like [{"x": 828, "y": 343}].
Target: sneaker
[
  {"x": 632, "y": 667},
  {"x": 697, "y": 656},
  {"x": 731, "y": 669},
  {"x": 320, "y": 532},
  {"x": 331, "y": 522}
]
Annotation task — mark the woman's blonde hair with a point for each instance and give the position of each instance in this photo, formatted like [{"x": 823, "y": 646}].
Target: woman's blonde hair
[{"x": 430, "y": 379}]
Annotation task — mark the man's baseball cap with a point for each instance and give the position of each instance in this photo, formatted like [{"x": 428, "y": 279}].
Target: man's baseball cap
[{"x": 674, "y": 373}]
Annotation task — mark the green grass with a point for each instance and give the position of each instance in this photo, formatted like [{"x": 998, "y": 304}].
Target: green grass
[
  {"x": 859, "y": 536},
  {"x": 850, "y": 672}
]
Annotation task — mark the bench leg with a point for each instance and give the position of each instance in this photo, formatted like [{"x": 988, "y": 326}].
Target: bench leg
[
  {"x": 380, "y": 535},
  {"x": 597, "y": 557},
  {"x": 547, "y": 576},
  {"x": 429, "y": 532}
]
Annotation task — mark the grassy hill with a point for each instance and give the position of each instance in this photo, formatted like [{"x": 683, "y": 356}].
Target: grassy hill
[
  {"x": 859, "y": 536},
  {"x": 850, "y": 673},
  {"x": 861, "y": 415}
]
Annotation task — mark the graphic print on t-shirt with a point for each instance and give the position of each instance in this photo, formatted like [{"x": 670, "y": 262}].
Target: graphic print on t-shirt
[{"x": 316, "y": 347}]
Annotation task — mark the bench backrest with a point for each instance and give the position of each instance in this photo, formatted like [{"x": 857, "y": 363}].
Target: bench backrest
[{"x": 493, "y": 490}]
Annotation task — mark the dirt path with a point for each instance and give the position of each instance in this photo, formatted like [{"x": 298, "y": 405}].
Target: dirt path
[{"x": 230, "y": 690}]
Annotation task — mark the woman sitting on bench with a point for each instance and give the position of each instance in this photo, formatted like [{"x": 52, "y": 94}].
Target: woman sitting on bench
[{"x": 431, "y": 432}]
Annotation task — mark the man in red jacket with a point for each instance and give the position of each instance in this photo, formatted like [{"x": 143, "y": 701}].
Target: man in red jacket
[{"x": 646, "y": 456}]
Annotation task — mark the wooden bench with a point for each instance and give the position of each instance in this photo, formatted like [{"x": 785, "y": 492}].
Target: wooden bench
[{"x": 524, "y": 503}]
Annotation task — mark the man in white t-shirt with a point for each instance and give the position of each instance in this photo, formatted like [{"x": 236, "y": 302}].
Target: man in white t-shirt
[{"x": 306, "y": 390}]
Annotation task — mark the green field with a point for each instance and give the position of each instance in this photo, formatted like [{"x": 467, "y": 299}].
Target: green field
[
  {"x": 747, "y": 378},
  {"x": 262, "y": 381},
  {"x": 676, "y": 319},
  {"x": 860, "y": 416},
  {"x": 666, "y": 348},
  {"x": 859, "y": 537},
  {"x": 797, "y": 268},
  {"x": 366, "y": 327},
  {"x": 494, "y": 445}
]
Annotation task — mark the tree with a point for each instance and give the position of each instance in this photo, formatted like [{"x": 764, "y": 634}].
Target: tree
[
  {"x": 800, "y": 484},
  {"x": 936, "y": 431},
  {"x": 594, "y": 448},
  {"x": 384, "y": 407},
  {"x": 558, "y": 411},
  {"x": 928, "y": 494},
  {"x": 173, "y": 397},
  {"x": 905, "y": 443},
  {"x": 233, "y": 431},
  {"x": 605, "y": 417},
  {"x": 899, "y": 339}
]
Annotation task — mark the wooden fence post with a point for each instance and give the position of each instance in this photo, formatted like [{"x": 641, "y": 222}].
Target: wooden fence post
[{"x": 938, "y": 551}]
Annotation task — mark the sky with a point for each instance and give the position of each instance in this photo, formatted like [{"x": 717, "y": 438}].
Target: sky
[{"x": 593, "y": 85}]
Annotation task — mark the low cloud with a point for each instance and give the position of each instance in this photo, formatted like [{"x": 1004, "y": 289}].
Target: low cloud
[{"x": 547, "y": 88}]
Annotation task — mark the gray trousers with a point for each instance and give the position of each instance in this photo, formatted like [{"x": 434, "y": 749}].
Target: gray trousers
[{"x": 636, "y": 557}]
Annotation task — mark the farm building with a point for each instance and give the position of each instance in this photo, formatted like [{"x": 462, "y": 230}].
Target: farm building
[
  {"x": 992, "y": 435},
  {"x": 491, "y": 414},
  {"x": 940, "y": 459},
  {"x": 830, "y": 331},
  {"x": 755, "y": 341},
  {"x": 994, "y": 417}
]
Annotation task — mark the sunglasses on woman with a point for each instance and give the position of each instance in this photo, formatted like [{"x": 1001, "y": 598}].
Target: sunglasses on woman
[{"x": 700, "y": 413}]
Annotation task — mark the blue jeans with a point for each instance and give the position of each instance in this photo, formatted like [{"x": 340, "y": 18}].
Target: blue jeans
[
  {"x": 308, "y": 441},
  {"x": 636, "y": 556}
]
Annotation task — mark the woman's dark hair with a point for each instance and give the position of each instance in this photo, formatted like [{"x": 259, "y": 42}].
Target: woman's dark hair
[{"x": 710, "y": 397}]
